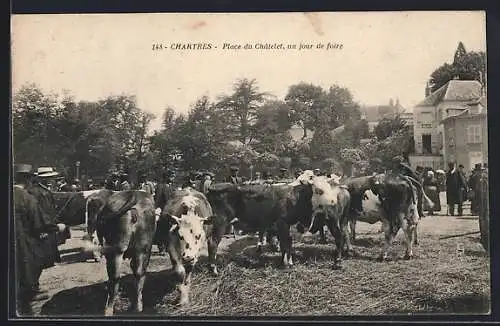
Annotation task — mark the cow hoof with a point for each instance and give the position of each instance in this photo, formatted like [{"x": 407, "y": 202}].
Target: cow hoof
[
  {"x": 108, "y": 312},
  {"x": 213, "y": 270},
  {"x": 382, "y": 258},
  {"x": 408, "y": 257}
]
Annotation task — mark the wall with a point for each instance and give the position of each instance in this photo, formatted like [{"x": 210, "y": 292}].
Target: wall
[
  {"x": 441, "y": 113},
  {"x": 456, "y": 139}
]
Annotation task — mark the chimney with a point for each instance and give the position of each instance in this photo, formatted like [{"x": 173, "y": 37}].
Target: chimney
[
  {"x": 391, "y": 102},
  {"x": 427, "y": 89},
  {"x": 397, "y": 104}
]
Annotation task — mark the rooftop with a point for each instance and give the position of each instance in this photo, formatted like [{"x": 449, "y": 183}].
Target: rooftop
[{"x": 454, "y": 90}]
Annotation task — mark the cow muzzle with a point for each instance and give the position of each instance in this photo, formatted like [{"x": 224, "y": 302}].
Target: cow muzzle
[{"x": 189, "y": 261}]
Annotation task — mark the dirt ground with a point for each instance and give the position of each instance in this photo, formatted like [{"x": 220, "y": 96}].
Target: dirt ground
[{"x": 443, "y": 269}]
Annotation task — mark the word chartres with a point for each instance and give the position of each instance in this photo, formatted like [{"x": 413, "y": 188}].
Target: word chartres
[{"x": 183, "y": 46}]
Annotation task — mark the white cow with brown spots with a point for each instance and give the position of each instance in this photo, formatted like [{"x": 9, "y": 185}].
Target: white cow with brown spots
[{"x": 183, "y": 227}]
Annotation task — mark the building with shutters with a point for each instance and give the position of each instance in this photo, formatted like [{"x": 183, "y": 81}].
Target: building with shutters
[{"x": 450, "y": 125}]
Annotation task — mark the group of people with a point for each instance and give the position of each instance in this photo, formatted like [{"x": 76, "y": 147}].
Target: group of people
[{"x": 458, "y": 187}]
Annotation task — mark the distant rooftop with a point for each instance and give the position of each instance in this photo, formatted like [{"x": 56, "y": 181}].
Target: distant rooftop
[{"x": 454, "y": 90}]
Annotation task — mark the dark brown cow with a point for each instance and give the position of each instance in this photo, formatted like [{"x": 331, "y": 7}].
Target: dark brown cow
[
  {"x": 399, "y": 199},
  {"x": 125, "y": 225},
  {"x": 259, "y": 208}
]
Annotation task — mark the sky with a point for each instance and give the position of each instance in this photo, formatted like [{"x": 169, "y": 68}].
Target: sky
[{"x": 384, "y": 54}]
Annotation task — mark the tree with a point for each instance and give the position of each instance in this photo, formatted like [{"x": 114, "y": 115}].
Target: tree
[
  {"x": 465, "y": 66},
  {"x": 239, "y": 110},
  {"x": 387, "y": 126},
  {"x": 382, "y": 151},
  {"x": 459, "y": 53},
  {"x": 321, "y": 144},
  {"x": 306, "y": 102},
  {"x": 351, "y": 157},
  {"x": 271, "y": 128},
  {"x": 342, "y": 105}
]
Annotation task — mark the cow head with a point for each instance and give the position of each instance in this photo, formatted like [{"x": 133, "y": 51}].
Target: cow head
[
  {"x": 305, "y": 178},
  {"x": 188, "y": 236}
]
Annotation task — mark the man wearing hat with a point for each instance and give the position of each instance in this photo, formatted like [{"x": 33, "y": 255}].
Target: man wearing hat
[
  {"x": 283, "y": 176},
  {"x": 32, "y": 230},
  {"x": 234, "y": 178},
  {"x": 45, "y": 198},
  {"x": 146, "y": 185}
]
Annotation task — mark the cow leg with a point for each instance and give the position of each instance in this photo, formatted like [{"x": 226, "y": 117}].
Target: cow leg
[
  {"x": 409, "y": 231},
  {"x": 352, "y": 224},
  {"x": 339, "y": 243},
  {"x": 183, "y": 286},
  {"x": 285, "y": 243},
  {"x": 349, "y": 251},
  {"x": 96, "y": 253},
  {"x": 139, "y": 264},
  {"x": 389, "y": 238},
  {"x": 322, "y": 237},
  {"x": 415, "y": 237},
  {"x": 213, "y": 244},
  {"x": 262, "y": 240},
  {"x": 113, "y": 264}
]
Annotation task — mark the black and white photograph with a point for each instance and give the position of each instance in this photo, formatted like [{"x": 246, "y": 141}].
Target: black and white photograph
[{"x": 239, "y": 165}]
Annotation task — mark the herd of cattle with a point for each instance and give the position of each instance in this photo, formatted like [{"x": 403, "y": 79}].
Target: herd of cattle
[{"x": 127, "y": 224}]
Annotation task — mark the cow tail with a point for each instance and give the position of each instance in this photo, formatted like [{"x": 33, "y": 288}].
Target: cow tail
[{"x": 87, "y": 214}]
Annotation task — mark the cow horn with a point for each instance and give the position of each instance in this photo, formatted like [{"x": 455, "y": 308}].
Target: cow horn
[
  {"x": 173, "y": 227},
  {"x": 177, "y": 219},
  {"x": 234, "y": 220},
  {"x": 204, "y": 219}
]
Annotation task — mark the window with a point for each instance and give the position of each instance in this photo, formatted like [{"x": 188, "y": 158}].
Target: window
[
  {"x": 426, "y": 144},
  {"x": 426, "y": 125},
  {"x": 474, "y": 134}
]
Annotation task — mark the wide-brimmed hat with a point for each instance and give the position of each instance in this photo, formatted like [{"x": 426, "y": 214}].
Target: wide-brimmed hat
[
  {"x": 283, "y": 169},
  {"x": 477, "y": 166},
  {"x": 234, "y": 168},
  {"x": 23, "y": 168},
  {"x": 46, "y": 172}
]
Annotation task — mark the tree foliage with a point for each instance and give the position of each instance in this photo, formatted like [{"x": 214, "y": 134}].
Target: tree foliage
[
  {"x": 465, "y": 66},
  {"x": 388, "y": 126},
  {"x": 49, "y": 131},
  {"x": 245, "y": 127}
]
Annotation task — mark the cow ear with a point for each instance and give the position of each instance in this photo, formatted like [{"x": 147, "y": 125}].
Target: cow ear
[
  {"x": 174, "y": 218},
  {"x": 208, "y": 220}
]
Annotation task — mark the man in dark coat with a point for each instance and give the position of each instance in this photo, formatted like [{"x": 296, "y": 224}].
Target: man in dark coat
[
  {"x": 47, "y": 204},
  {"x": 163, "y": 192},
  {"x": 474, "y": 184},
  {"x": 455, "y": 184},
  {"x": 31, "y": 230},
  {"x": 234, "y": 178}
]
